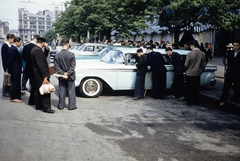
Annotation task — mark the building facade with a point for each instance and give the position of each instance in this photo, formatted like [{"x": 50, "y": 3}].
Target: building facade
[
  {"x": 31, "y": 24},
  {"x": 4, "y": 30}
]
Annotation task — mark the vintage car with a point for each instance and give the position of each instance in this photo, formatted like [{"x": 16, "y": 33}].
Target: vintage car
[
  {"x": 100, "y": 54},
  {"x": 117, "y": 70},
  {"x": 53, "y": 52},
  {"x": 89, "y": 49}
]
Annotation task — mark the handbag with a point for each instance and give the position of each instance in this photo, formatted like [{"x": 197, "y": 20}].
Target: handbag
[
  {"x": 46, "y": 88},
  {"x": 6, "y": 79}
]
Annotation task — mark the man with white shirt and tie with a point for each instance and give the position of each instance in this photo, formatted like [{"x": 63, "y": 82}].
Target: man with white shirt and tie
[{"x": 232, "y": 76}]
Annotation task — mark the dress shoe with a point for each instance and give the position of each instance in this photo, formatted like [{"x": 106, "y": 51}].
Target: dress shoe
[
  {"x": 16, "y": 100},
  {"x": 135, "y": 98},
  {"x": 48, "y": 110},
  {"x": 7, "y": 95},
  {"x": 72, "y": 108},
  {"x": 60, "y": 108},
  {"x": 222, "y": 104}
]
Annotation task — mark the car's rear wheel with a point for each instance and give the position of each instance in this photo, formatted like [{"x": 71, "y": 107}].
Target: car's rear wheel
[{"x": 91, "y": 87}]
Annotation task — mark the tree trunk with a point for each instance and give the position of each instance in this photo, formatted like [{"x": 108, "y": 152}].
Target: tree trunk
[{"x": 176, "y": 36}]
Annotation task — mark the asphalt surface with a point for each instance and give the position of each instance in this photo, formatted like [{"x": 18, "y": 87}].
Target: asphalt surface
[{"x": 113, "y": 127}]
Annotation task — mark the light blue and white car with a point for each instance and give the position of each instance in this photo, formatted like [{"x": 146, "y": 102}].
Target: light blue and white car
[{"x": 117, "y": 70}]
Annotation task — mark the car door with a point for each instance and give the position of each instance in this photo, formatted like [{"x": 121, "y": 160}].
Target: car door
[{"x": 127, "y": 73}]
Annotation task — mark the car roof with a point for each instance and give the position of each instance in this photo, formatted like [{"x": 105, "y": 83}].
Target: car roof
[
  {"x": 96, "y": 44},
  {"x": 126, "y": 50}
]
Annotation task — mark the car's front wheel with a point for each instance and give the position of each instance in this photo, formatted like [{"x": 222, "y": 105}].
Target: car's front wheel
[{"x": 91, "y": 87}]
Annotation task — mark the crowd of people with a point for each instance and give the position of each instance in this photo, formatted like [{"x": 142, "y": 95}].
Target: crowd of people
[
  {"x": 193, "y": 67},
  {"x": 29, "y": 63}
]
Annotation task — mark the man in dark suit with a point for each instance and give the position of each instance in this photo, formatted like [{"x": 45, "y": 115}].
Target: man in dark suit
[
  {"x": 178, "y": 86},
  {"x": 232, "y": 76},
  {"x": 157, "y": 64},
  {"x": 15, "y": 69},
  {"x": 26, "y": 55},
  {"x": 41, "y": 76},
  {"x": 140, "y": 75},
  {"x": 64, "y": 64},
  {"x": 4, "y": 51}
]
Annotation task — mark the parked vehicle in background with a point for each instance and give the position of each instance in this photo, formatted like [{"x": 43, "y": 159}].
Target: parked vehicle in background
[
  {"x": 53, "y": 52},
  {"x": 89, "y": 49},
  {"x": 117, "y": 70}
]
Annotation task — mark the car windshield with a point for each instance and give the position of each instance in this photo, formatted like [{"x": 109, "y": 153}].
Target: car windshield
[
  {"x": 113, "y": 57},
  {"x": 104, "y": 51}
]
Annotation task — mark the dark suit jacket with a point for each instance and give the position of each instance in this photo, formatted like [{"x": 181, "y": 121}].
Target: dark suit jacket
[
  {"x": 156, "y": 62},
  {"x": 177, "y": 63},
  {"x": 40, "y": 65},
  {"x": 26, "y": 55},
  {"x": 14, "y": 64},
  {"x": 65, "y": 62},
  {"x": 233, "y": 63},
  {"x": 142, "y": 65},
  {"x": 4, "y": 52}
]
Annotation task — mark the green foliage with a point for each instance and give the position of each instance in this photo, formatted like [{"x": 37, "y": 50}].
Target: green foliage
[
  {"x": 50, "y": 35},
  {"x": 126, "y": 16},
  {"x": 186, "y": 14}
]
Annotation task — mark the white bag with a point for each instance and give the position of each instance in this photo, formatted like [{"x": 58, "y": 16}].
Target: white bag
[{"x": 46, "y": 89}]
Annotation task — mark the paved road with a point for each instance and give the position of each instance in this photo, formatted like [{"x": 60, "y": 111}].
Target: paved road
[{"x": 115, "y": 128}]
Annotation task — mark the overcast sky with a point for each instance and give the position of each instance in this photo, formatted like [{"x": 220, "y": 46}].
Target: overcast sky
[{"x": 9, "y": 8}]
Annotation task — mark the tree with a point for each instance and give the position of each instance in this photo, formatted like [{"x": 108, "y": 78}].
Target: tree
[
  {"x": 104, "y": 16},
  {"x": 179, "y": 15},
  {"x": 50, "y": 35}
]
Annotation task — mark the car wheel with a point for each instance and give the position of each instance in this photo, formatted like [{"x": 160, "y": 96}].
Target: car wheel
[{"x": 91, "y": 87}]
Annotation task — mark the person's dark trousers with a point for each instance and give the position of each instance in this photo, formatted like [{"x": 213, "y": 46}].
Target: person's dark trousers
[
  {"x": 66, "y": 87},
  {"x": 139, "y": 86},
  {"x": 31, "y": 100},
  {"x": 228, "y": 80},
  {"x": 178, "y": 86},
  {"x": 41, "y": 101},
  {"x": 192, "y": 89},
  {"x": 159, "y": 85},
  {"x": 16, "y": 86},
  {"x": 24, "y": 80},
  {"x": 236, "y": 91}
]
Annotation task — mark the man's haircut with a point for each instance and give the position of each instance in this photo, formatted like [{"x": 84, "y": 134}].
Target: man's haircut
[
  {"x": 140, "y": 50},
  {"x": 36, "y": 36},
  {"x": 17, "y": 39},
  {"x": 64, "y": 41},
  {"x": 236, "y": 41},
  {"x": 10, "y": 36},
  {"x": 149, "y": 48},
  {"x": 168, "y": 49},
  {"x": 195, "y": 43}
]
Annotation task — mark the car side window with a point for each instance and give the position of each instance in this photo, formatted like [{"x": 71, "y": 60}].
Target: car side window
[
  {"x": 132, "y": 59},
  {"x": 89, "y": 48},
  {"x": 99, "y": 48}
]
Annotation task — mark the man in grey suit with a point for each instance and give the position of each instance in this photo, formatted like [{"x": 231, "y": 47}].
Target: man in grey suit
[{"x": 64, "y": 64}]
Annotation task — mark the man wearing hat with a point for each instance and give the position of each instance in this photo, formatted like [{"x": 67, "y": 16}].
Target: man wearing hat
[
  {"x": 41, "y": 76},
  {"x": 26, "y": 55}
]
